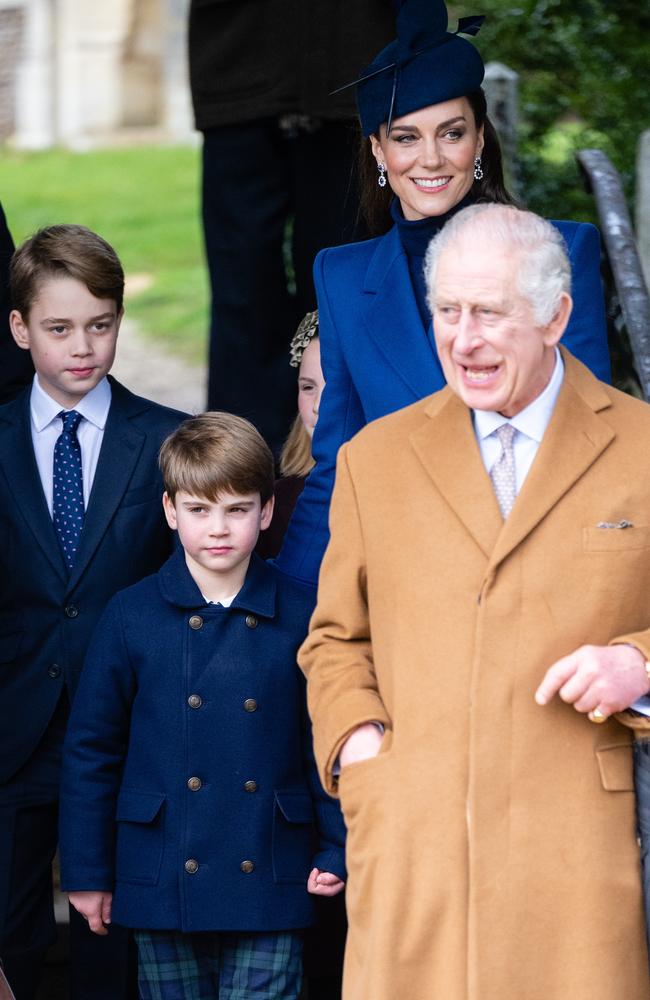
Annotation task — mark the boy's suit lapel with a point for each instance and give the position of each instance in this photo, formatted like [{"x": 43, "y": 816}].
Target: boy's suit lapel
[
  {"x": 24, "y": 479},
  {"x": 118, "y": 457},
  {"x": 393, "y": 319}
]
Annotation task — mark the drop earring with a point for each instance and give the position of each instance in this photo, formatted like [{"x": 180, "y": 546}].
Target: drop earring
[
  {"x": 381, "y": 180},
  {"x": 478, "y": 169}
]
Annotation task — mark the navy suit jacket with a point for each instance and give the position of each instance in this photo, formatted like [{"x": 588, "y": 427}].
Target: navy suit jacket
[
  {"x": 189, "y": 783},
  {"x": 47, "y": 614},
  {"x": 377, "y": 358}
]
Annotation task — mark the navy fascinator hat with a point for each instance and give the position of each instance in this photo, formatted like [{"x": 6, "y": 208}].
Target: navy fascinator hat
[{"x": 425, "y": 64}]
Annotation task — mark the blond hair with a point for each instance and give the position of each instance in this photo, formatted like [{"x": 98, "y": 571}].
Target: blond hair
[
  {"x": 295, "y": 457},
  {"x": 215, "y": 453}
]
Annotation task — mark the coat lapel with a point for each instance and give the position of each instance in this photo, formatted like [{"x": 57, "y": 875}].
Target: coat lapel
[
  {"x": 119, "y": 454},
  {"x": 448, "y": 450},
  {"x": 24, "y": 481},
  {"x": 393, "y": 320},
  {"x": 574, "y": 440}
]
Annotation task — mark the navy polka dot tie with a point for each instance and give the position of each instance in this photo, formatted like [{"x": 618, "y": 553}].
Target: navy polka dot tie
[{"x": 68, "y": 490}]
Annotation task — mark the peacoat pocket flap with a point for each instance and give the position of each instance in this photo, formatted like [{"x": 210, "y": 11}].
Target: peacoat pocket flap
[
  {"x": 134, "y": 806},
  {"x": 616, "y": 767},
  {"x": 295, "y": 806}
]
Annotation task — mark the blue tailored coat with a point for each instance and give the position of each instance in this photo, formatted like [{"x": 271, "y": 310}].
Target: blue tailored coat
[
  {"x": 377, "y": 357},
  {"x": 47, "y": 614},
  {"x": 189, "y": 785}
]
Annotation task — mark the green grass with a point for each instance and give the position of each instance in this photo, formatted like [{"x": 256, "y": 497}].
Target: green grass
[{"x": 145, "y": 202}]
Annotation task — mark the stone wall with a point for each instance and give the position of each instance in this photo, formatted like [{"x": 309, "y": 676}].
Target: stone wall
[{"x": 11, "y": 32}]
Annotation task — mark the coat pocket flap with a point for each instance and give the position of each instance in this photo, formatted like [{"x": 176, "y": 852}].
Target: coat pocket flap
[
  {"x": 616, "y": 767},
  {"x": 295, "y": 806},
  {"x": 138, "y": 807},
  {"x": 9, "y": 646}
]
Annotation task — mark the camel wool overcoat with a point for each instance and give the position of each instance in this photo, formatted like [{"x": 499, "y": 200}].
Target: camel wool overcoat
[{"x": 492, "y": 849}]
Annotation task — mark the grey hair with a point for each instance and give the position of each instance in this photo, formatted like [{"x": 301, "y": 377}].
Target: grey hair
[{"x": 544, "y": 271}]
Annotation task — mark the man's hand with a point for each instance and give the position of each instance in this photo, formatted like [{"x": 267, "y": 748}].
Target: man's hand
[
  {"x": 361, "y": 744},
  {"x": 607, "y": 678},
  {"x": 95, "y": 907},
  {"x": 324, "y": 883}
]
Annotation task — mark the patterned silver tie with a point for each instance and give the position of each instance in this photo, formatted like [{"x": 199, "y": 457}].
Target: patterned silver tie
[{"x": 502, "y": 472}]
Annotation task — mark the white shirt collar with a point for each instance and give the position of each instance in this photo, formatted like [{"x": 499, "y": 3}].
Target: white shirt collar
[
  {"x": 534, "y": 418},
  {"x": 93, "y": 407}
]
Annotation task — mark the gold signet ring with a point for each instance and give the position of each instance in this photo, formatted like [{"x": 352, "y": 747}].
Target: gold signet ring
[{"x": 597, "y": 716}]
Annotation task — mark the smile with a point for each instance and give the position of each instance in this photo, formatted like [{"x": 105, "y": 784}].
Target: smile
[
  {"x": 430, "y": 183},
  {"x": 480, "y": 374}
]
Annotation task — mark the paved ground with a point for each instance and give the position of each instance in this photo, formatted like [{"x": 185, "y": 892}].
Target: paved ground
[{"x": 150, "y": 371}]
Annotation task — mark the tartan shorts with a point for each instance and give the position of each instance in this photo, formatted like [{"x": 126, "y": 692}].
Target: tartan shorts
[{"x": 213, "y": 965}]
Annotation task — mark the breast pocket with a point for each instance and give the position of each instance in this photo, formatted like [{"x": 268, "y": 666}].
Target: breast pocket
[
  {"x": 293, "y": 819},
  {"x": 615, "y": 539},
  {"x": 140, "y": 836}
]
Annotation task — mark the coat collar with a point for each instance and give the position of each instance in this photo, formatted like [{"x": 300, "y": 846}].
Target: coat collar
[
  {"x": 121, "y": 447},
  {"x": 257, "y": 595},
  {"x": 393, "y": 319},
  {"x": 576, "y": 436},
  {"x": 23, "y": 478}
]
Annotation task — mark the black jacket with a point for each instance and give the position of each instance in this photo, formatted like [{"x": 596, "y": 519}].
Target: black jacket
[{"x": 261, "y": 58}]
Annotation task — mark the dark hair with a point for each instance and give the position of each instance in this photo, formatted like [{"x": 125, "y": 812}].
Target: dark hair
[
  {"x": 65, "y": 251},
  {"x": 216, "y": 453},
  {"x": 374, "y": 201}
]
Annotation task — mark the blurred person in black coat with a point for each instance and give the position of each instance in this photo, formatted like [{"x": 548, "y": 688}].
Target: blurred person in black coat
[
  {"x": 16, "y": 369},
  {"x": 277, "y": 147}
]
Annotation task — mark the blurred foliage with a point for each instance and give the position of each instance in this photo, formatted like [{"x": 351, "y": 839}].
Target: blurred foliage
[
  {"x": 145, "y": 201},
  {"x": 583, "y": 70}
]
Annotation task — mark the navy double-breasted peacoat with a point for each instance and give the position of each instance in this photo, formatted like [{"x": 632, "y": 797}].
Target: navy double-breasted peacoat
[
  {"x": 377, "y": 357},
  {"x": 189, "y": 785}
]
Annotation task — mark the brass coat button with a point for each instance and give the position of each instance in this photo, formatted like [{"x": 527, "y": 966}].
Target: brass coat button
[
  {"x": 250, "y": 786},
  {"x": 196, "y": 622},
  {"x": 251, "y": 621},
  {"x": 250, "y": 705},
  {"x": 195, "y": 701},
  {"x": 194, "y": 784},
  {"x": 191, "y": 866},
  {"x": 247, "y": 867}
]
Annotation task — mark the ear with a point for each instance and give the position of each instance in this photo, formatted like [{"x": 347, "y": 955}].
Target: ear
[
  {"x": 377, "y": 151},
  {"x": 118, "y": 321},
  {"x": 19, "y": 329},
  {"x": 267, "y": 513},
  {"x": 554, "y": 330},
  {"x": 480, "y": 141},
  {"x": 170, "y": 511}
]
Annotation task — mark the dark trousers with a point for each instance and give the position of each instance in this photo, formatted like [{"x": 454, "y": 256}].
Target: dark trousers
[
  {"x": 257, "y": 177},
  {"x": 642, "y": 785},
  {"x": 99, "y": 967}
]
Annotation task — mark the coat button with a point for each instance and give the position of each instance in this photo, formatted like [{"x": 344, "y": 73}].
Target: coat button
[
  {"x": 196, "y": 622},
  {"x": 195, "y": 701},
  {"x": 250, "y": 786},
  {"x": 54, "y": 670},
  {"x": 251, "y": 621},
  {"x": 71, "y": 611},
  {"x": 250, "y": 705},
  {"x": 247, "y": 867},
  {"x": 191, "y": 866},
  {"x": 194, "y": 784}
]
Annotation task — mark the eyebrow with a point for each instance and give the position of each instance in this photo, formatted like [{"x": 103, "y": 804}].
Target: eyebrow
[
  {"x": 414, "y": 128},
  {"x": 66, "y": 319}
]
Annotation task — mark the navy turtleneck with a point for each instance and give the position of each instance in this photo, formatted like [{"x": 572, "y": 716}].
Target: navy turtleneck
[{"x": 415, "y": 237}]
